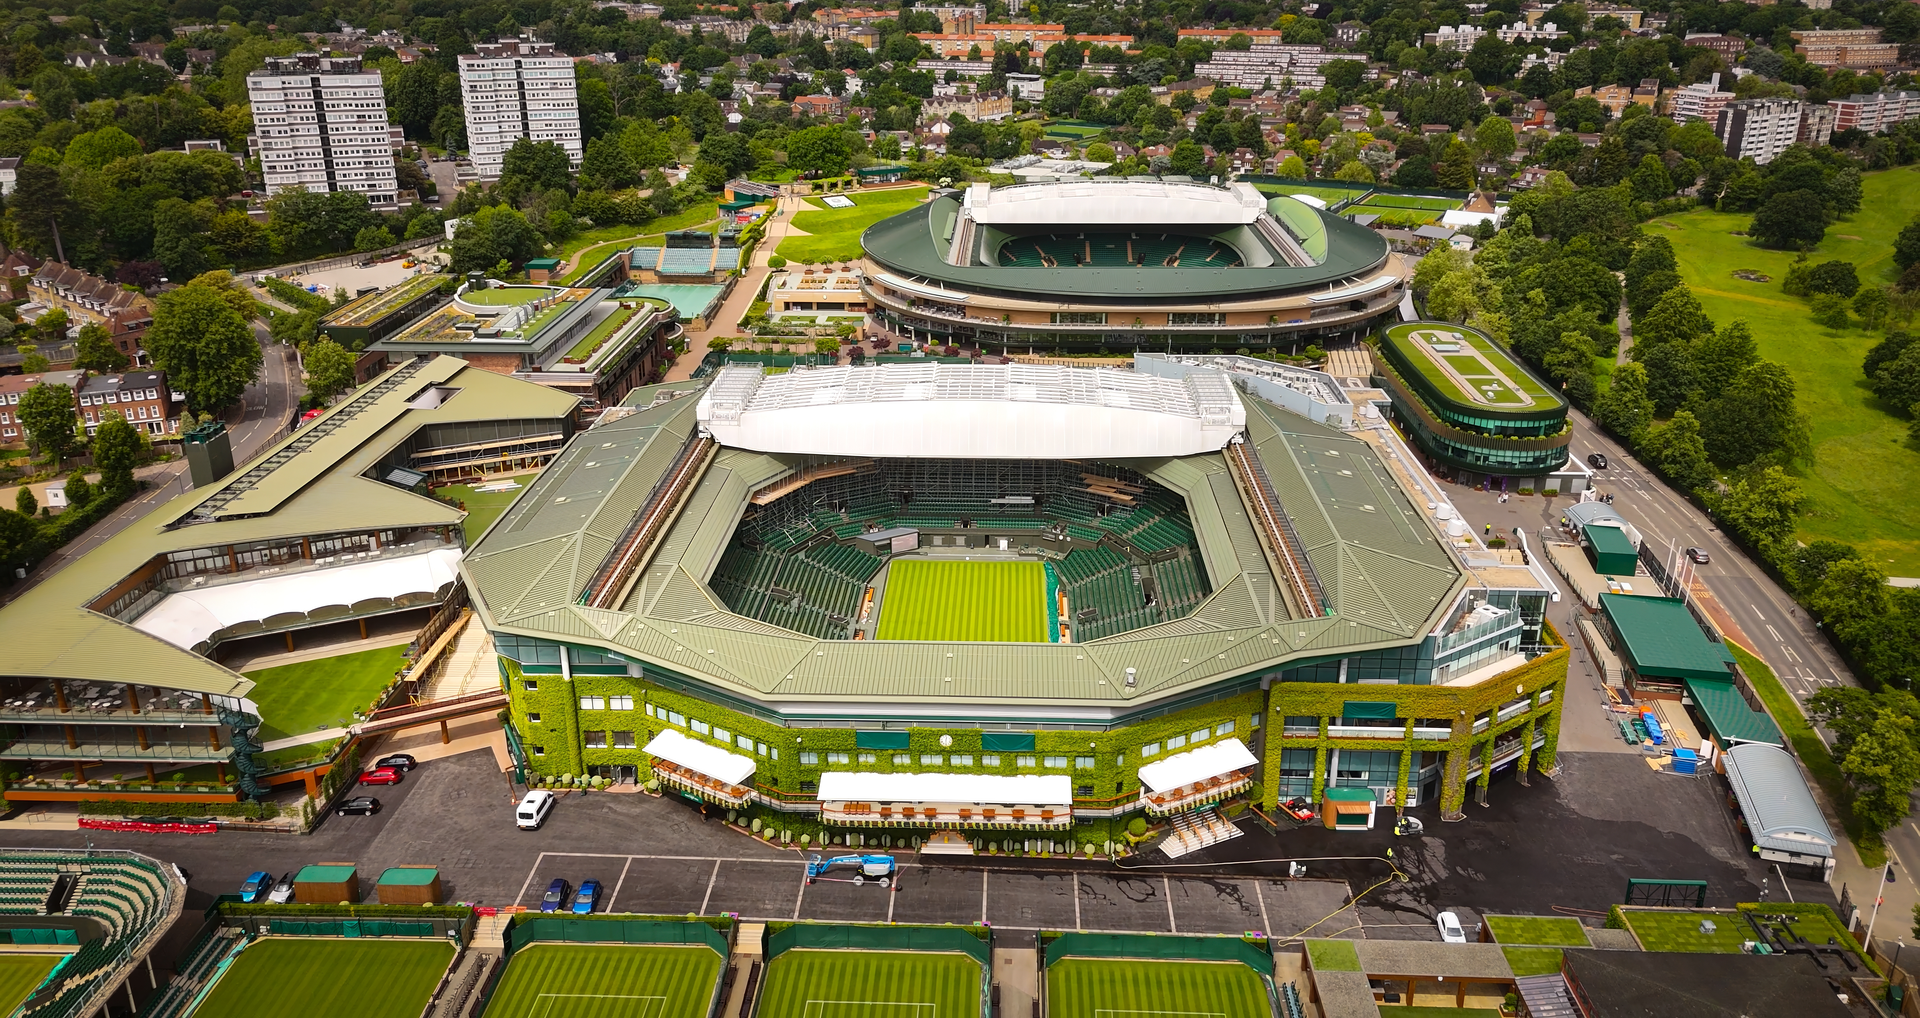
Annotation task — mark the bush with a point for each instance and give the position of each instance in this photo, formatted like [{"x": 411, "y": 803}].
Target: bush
[
  {"x": 1137, "y": 827},
  {"x": 1526, "y": 491},
  {"x": 1551, "y": 492},
  {"x": 776, "y": 262}
]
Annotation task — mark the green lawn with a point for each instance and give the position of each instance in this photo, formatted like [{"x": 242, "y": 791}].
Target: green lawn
[
  {"x": 1808, "y": 747},
  {"x": 834, "y": 234},
  {"x": 1100, "y": 987},
  {"x": 1679, "y": 932},
  {"x": 506, "y": 296},
  {"x": 1330, "y": 195},
  {"x": 598, "y": 243},
  {"x": 607, "y": 981},
  {"x": 1478, "y": 358},
  {"x": 20, "y": 975},
  {"x": 1554, "y": 930},
  {"x": 310, "y": 695},
  {"x": 319, "y": 978},
  {"x": 929, "y": 599},
  {"x": 1862, "y": 481},
  {"x": 1075, "y": 129},
  {"x": 296, "y": 756},
  {"x": 1333, "y": 955},
  {"x": 483, "y": 507},
  {"x": 849, "y": 984},
  {"x": 609, "y": 325},
  {"x": 1403, "y": 201},
  {"x": 1532, "y": 961}
]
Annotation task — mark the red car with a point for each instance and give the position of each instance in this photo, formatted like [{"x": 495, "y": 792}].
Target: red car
[
  {"x": 381, "y": 776},
  {"x": 1299, "y": 808}
]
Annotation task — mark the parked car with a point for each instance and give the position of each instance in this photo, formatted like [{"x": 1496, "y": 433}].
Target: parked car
[
  {"x": 256, "y": 887},
  {"x": 359, "y": 805},
  {"x": 1450, "y": 929},
  {"x": 533, "y": 810},
  {"x": 1699, "y": 555},
  {"x": 381, "y": 776},
  {"x": 282, "y": 891},
  {"x": 1299, "y": 807},
  {"x": 555, "y": 900},
  {"x": 588, "y": 898},
  {"x": 398, "y": 761},
  {"x": 1598, "y": 460}
]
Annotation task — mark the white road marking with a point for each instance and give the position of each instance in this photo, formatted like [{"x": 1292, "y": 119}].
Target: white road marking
[
  {"x": 1775, "y": 633},
  {"x": 1166, "y": 885},
  {"x": 624, "y": 867},
  {"x": 711, "y": 880}
]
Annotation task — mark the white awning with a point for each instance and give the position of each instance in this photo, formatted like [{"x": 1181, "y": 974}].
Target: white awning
[
  {"x": 189, "y": 617},
  {"x": 712, "y": 761},
  {"x": 1196, "y": 765},
  {"x": 1358, "y": 290},
  {"x": 980, "y": 789}
]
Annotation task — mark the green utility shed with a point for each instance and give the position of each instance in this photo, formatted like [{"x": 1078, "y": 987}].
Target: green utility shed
[
  {"x": 326, "y": 883},
  {"x": 1612, "y": 552},
  {"x": 1660, "y": 644},
  {"x": 408, "y": 885}
]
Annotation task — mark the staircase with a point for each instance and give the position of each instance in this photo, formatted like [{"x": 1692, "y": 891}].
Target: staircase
[
  {"x": 1546, "y": 996},
  {"x": 1195, "y": 830},
  {"x": 469, "y": 666},
  {"x": 490, "y": 935}
]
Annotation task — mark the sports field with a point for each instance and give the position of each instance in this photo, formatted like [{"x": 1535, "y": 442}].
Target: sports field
[
  {"x": 1468, "y": 367},
  {"x": 927, "y": 599},
  {"x": 306, "y": 696},
  {"x": 1124, "y": 988},
  {"x": 327, "y": 978},
  {"x": 1408, "y": 201},
  {"x": 607, "y": 981},
  {"x": 20, "y": 975},
  {"x": 870, "y": 984}
]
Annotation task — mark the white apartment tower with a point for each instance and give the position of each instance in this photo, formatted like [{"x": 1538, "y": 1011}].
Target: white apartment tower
[
  {"x": 513, "y": 89},
  {"x": 1760, "y": 128},
  {"x": 321, "y": 123}
]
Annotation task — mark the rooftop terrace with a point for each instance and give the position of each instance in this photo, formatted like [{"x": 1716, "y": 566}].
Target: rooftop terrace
[
  {"x": 369, "y": 308},
  {"x": 1469, "y": 368}
]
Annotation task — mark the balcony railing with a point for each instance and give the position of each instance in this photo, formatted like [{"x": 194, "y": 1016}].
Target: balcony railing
[
  {"x": 702, "y": 785},
  {"x": 1198, "y": 793},
  {"x": 1513, "y": 710},
  {"x": 57, "y": 749},
  {"x": 947, "y": 814},
  {"x": 1365, "y": 732},
  {"x": 1433, "y": 734}
]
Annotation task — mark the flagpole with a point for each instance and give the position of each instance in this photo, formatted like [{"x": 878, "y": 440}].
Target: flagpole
[{"x": 1885, "y": 872}]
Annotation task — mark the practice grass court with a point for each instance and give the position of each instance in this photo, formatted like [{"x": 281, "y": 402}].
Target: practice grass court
[
  {"x": 803, "y": 983},
  {"x": 1125, "y": 988},
  {"x": 607, "y": 981},
  {"x": 327, "y": 978},
  {"x": 1407, "y": 201},
  {"x": 20, "y": 975},
  {"x": 305, "y": 696},
  {"x": 934, "y": 600}
]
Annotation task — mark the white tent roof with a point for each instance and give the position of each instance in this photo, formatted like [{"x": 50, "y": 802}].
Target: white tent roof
[
  {"x": 1000, "y": 411},
  {"x": 1196, "y": 765},
  {"x": 1082, "y": 203},
  {"x": 189, "y": 617},
  {"x": 712, "y": 761},
  {"x": 1461, "y": 219},
  {"x": 984, "y": 789}
]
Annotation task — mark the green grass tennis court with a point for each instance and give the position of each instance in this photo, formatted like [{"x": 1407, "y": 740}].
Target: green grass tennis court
[
  {"x": 503, "y": 296},
  {"x": 1408, "y": 201},
  {"x": 20, "y": 975},
  {"x": 1454, "y": 357},
  {"x": 1126, "y": 988},
  {"x": 325, "y": 978},
  {"x": 804, "y": 983},
  {"x": 607, "y": 981},
  {"x": 306, "y": 696},
  {"x": 927, "y": 599}
]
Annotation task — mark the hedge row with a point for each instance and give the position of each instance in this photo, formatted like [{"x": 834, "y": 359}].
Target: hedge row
[
  {"x": 243, "y": 810},
  {"x": 294, "y": 296},
  {"x": 350, "y": 911}
]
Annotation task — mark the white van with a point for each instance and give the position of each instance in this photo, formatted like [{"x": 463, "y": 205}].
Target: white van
[{"x": 533, "y": 810}]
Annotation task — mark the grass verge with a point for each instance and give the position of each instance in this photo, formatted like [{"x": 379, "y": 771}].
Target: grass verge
[
  {"x": 1532, "y": 961},
  {"x": 310, "y": 695},
  {"x": 1537, "y": 930},
  {"x": 1333, "y": 955},
  {"x": 1812, "y": 752}
]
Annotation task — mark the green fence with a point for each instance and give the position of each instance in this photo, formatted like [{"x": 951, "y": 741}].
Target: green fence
[
  {"x": 1153, "y": 947},
  {"x": 838, "y": 937},
  {"x": 46, "y": 937},
  {"x": 616, "y": 931},
  {"x": 348, "y": 928}
]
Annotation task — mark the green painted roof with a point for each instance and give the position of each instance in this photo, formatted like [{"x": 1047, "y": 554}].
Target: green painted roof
[
  {"x": 323, "y": 873},
  {"x": 1609, "y": 540},
  {"x": 1348, "y": 794},
  {"x": 1662, "y": 640},
  {"x": 416, "y": 876},
  {"x": 543, "y": 263},
  {"x": 1462, "y": 378},
  {"x": 48, "y": 631},
  {"x": 1385, "y": 573},
  {"x": 1729, "y": 717},
  {"x": 908, "y": 243}
]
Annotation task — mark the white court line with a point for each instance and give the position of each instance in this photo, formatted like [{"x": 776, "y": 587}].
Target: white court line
[{"x": 531, "y": 873}]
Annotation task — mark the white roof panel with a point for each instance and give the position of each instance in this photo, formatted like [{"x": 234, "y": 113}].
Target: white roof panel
[
  {"x": 694, "y": 755},
  {"x": 1196, "y": 765},
  {"x": 1130, "y": 204},
  {"x": 982, "y": 789}
]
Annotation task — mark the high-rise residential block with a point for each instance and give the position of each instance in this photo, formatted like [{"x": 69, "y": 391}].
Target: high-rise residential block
[
  {"x": 320, "y": 123},
  {"x": 513, "y": 89}
]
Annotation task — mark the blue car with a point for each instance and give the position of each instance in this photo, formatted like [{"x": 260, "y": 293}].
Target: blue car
[
  {"x": 589, "y": 897},
  {"x": 555, "y": 900},
  {"x": 256, "y": 887}
]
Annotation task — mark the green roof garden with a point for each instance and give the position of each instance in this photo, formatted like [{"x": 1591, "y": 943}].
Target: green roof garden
[
  {"x": 372, "y": 307},
  {"x": 507, "y": 296},
  {"x": 1555, "y": 931},
  {"x": 1469, "y": 369},
  {"x": 611, "y": 324},
  {"x": 1333, "y": 955}
]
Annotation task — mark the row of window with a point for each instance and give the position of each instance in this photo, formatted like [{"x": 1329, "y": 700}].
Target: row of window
[
  {"x": 1082, "y": 763},
  {"x": 598, "y": 740},
  {"x": 116, "y": 396},
  {"x": 1153, "y": 749},
  {"x": 714, "y": 732}
]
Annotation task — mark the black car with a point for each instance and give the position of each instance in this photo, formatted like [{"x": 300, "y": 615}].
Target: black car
[
  {"x": 1598, "y": 459},
  {"x": 359, "y": 805},
  {"x": 397, "y": 761}
]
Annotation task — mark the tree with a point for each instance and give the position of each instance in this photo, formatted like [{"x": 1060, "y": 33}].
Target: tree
[
  {"x": 95, "y": 351},
  {"x": 1356, "y": 172},
  {"x": 37, "y": 202},
  {"x": 1670, "y": 380},
  {"x": 52, "y": 325},
  {"x": 1455, "y": 168},
  {"x": 608, "y": 165},
  {"x": 1835, "y": 277},
  {"x": 1852, "y": 591},
  {"x": 531, "y": 165},
  {"x": 1494, "y": 137},
  {"x": 1650, "y": 180},
  {"x": 46, "y": 411},
  {"x": 1906, "y": 246},
  {"x": 329, "y": 370},
  {"x": 373, "y": 238},
  {"x": 115, "y": 447},
  {"x": 204, "y": 346},
  {"x": 95, "y": 149},
  {"x": 1760, "y": 507},
  {"x": 1676, "y": 450},
  {"x": 493, "y": 235},
  {"x": 1873, "y": 305},
  {"x": 1676, "y": 317},
  {"x": 728, "y": 151},
  {"x": 1754, "y": 418},
  {"x": 1791, "y": 219},
  {"x": 1625, "y": 408},
  {"x": 1719, "y": 357},
  {"x": 24, "y": 501},
  {"x": 22, "y": 542},
  {"x": 1810, "y": 563},
  {"x": 179, "y": 238},
  {"x": 1830, "y": 311},
  {"x": 1883, "y": 766},
  {"x": 822, "y": 149}
]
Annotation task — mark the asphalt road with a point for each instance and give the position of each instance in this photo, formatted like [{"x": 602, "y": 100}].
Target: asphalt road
[{"x": 266, "y": 407}]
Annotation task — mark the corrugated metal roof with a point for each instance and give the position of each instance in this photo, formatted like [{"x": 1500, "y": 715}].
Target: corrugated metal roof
[
  {"x": 1774, "y": 799},
  {"x": 48, "y": 631},
  {"x": 1387, "y": 577},
  {"x": 1663, "y": 640},
  {"x": 1728, "y": 715}
]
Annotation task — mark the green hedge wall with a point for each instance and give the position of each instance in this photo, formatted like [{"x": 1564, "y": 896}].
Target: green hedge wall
[
  {"x": 244, "y": 810},
  {"x": 238, "y": 908}
]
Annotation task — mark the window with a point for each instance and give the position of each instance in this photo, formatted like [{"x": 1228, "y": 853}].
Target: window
[
  {"x": 623, "y": 740},
  {"x": 1150, "y": 749},
  {"x": 990, "y": 760},
  {"x": 1054, "y": 761},
  {"x": 963, "y": 759},
  {"x": 836, "y": 758},
  {"x": 1024, "y": 761},
  {"x": 649, "y": 709},
  {"x": 529, "y": 685},
  {"x": 722, "y": 735},
  {"x": 533, "y": 718},
  {"x": 676, "y": 717},
  {"x": 743, "y": 742},
  {"x": 867, "y": 758},
  {"x": 903, "y": 759},
  {"x": 701, "y": 726},
  {"x": 1224, "y": 728},
  {"x": 931, "y": 759},
  {"x": 1079, "y": 318},
  {"x": 539, "y": 751},
  {"x": 1176, "y": 742},
  {"x": 809, "y": 759},
  {"x": 1197, "y": 318},
  {"x": 1199, "y": 736},
  {"x": 620, "y": 702},
  {"x": 1083, "y": 790},
  {"x": 761, "y": 748},
  {"x": 594, "y": 740},
  {"x": 1254, "y": 722},
  {"x": 1083, "y": 763},
  {"x": 593, "y": 703}
]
